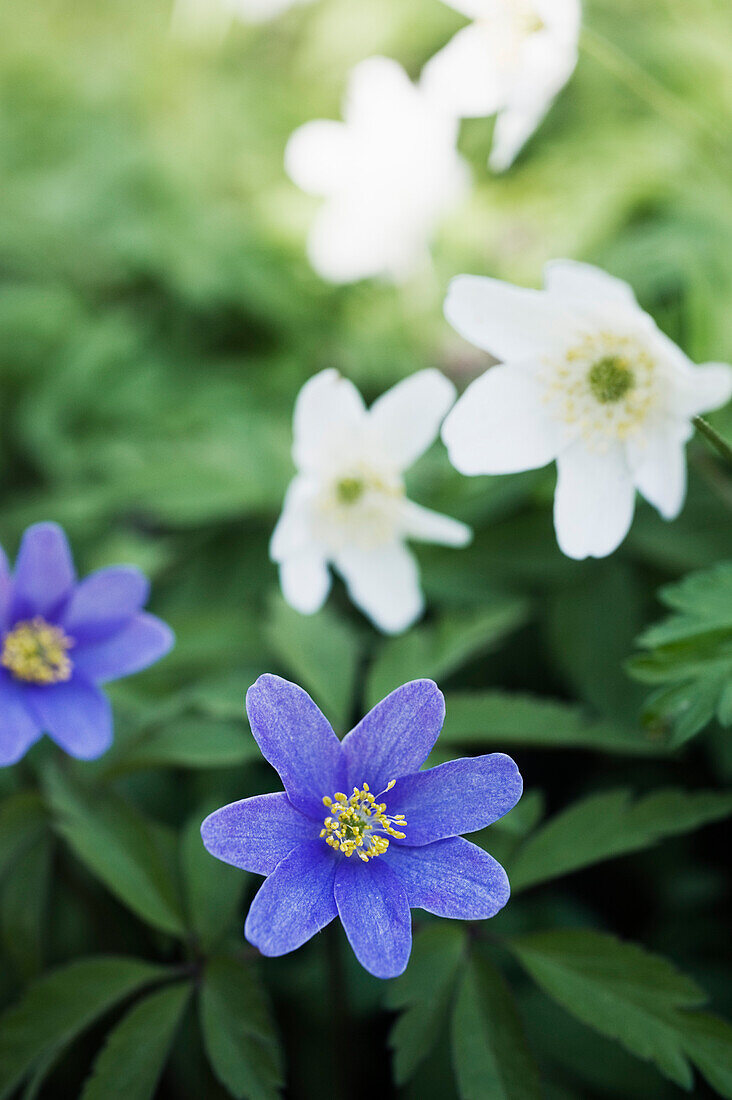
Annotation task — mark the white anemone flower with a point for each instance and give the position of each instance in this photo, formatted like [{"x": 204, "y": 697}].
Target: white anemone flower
[
  {"x": 388, "y": 173},
  {"x": 510, "y": 62},
  {"x": 588, "y": 379},
  {"x": 347, "y": 505}
]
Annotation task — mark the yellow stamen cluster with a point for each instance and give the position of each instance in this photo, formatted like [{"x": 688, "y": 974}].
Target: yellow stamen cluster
[
  {"x": 37, "y": 653},
  {"x": 360, "y": 824},
  {"x": 604, "y": 388}
]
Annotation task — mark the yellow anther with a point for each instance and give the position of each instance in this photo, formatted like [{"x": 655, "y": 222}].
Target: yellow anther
[
  {"x": 359, "y": 824},
  {"x": 37, "y": 653}
]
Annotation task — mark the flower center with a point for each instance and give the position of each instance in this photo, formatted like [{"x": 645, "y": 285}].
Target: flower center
[
  {"x": 604, "y": 388},
  {"x": 360, "y": 824},
  {"x": 349, "y": 489},
  {"x": 610, "y": 379},
  {"x": 37, "y": 653}
]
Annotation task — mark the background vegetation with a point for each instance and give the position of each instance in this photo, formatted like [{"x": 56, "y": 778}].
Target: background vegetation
[{"x": 158, "y": 318}]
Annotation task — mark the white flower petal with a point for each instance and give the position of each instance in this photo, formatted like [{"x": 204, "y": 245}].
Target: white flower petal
[
  {"x": 594, "y": 501},
  {"x": 384, "y": 583},
  {"x": 404, "y": 421},
  {"x": 292, "y": 532},
  {"x": 658, "y": 462},
  {"x": 427, "y": 526},
  {"x": 703, "y": 389},
  {"x": 358, "y": 236},
  {"x": 500, "y": 425},
  {"x": 328, "y": 412},
  {"x": 317, "y": 156},
  {"x": 305, "y": 581},
  {"x": 514, "y": 126},
  {"x": 378, "y": 90},
  {"x": 508, "y": 321},
  {"x": 585, "y": 283},
  {"x": 464, "y": 77}
]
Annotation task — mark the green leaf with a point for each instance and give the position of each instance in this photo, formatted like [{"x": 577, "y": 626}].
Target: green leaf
[
  {"x": 213, "y": 889},
  {"x": 322, "y": 654},
  {"x": 610, "y": 824},
  {"x": 443, "y": 647},
  {"x": 424, "y": 992},
  {"x": 497, "y": 717},
  {"x": 23, "y": 904},
  {"x": 617, "y": 988},
  {"x": 132, "y": 1060},
  {"x": 22, "y": 821},
  {"x": 238, "y": 1031},
  {"x": 690, "y": 653},
  {"x": 489, "y": 1049},
  {"x": 59, "y": 1006},
  {"x": 708, "y": 1042},
  {"x": 133, "y": 856},
  {"x": 190, "y": 742}
]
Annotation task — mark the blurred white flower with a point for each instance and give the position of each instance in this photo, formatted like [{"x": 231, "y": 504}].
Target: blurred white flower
[
  {"x": 511, "y": 62},
  {"x": 347, "y": 505},
  {"x": 388, "y": 173},
  {"x": 587, "y": 379}
]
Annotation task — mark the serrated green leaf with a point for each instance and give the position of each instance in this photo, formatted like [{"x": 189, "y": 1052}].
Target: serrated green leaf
[
  {"x": 213, "y": 890},
  {"x": 321, "y": 652},
  {"x": 708, "y": 1042},
  {"x": 441, "y": 648},
  {"x": 489, "y": 1049},
  {"x": 238, "y": 1031},
  {"x": 59, "y": 1006},
  {"x": 132, "y": 855},
  {"x": 502, "y": 718},
  {"x": 133, "y": 1057},
  {"x": 607, "y": 825},
  {"x": 617, "y": 988},
  {"x": 690, "y": 654},
  {"x": 424, "y": 993}
]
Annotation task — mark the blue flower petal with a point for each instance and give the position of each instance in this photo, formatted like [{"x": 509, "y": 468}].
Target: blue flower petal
[
  {"x": 295, "y": 902},
  {"x": 373, "y": 906},
  {"x": 451, "y": 878},
  {"x": 44, "y": 572},
  {"x": 141, "y": 642},
  {"x": 103, "y": 602},
  {"x": 298, "y": 741},
  {"x": 395, "y": 738},
  {"x": 19, "y": 728},
  {"x": 257, "y": 833},
  {"x": 76, "y": 715},
  {"x": 457, "y": 797},
  {"x": 6, "y": 590}
]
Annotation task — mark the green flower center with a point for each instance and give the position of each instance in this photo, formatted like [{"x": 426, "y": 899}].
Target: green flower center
[
  {"x": 350, "y": 489},
  {"x": 37, "y": 653},
  {"x": 360, "y": 824},
  {"x": 610, "y": 379}
]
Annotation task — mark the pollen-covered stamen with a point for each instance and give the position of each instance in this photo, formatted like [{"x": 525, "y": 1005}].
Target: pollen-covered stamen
[
  {"x": 37, "y": 653},
  {"x": 360, "y": 824},
  {"x": 604, "y": 388}
]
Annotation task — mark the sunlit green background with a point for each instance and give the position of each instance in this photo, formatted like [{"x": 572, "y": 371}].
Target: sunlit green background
[{"x": 157, "y": 318}]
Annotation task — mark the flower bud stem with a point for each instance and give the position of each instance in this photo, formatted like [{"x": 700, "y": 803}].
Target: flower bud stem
[{"x": 720, "y": 445}]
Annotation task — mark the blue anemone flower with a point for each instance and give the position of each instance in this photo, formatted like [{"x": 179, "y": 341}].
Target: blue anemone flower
[
  {"x": 60, "y": 638},
  {"x": 359, "y": 831}
]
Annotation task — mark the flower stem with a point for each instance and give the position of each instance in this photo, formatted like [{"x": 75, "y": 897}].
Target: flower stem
[
  {"x": 664, "y": 102},
  {"x": 720, "y": 445}
]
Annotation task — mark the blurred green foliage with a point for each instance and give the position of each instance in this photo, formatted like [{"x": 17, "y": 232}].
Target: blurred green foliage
[{"x": 157, "y": 318}]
